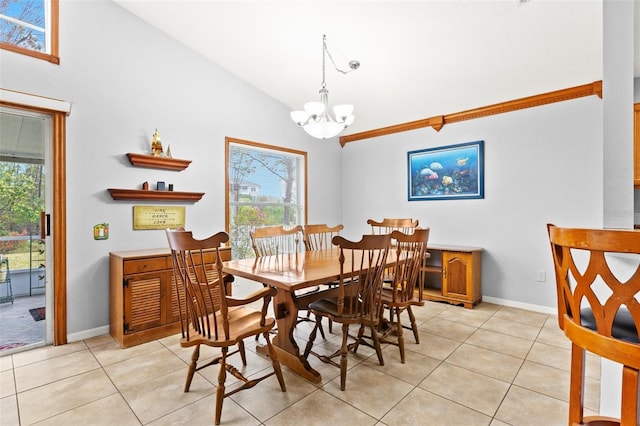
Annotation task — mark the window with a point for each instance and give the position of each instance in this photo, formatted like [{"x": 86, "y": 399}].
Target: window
[
  {"x": 30, "y": 27},
  {"x": 265, "y": 186}
]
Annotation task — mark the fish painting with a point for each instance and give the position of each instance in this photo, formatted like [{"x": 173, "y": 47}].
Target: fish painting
[
  {"x": 436, "y": 166},
  {"x": 446, "y": 172},
  {"x": 426, "y": 172}
]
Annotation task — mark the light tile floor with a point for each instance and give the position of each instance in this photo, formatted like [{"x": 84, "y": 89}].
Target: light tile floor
[{"x": 491, "y": 365}]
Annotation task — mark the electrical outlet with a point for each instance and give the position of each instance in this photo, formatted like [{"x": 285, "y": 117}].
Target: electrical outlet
[{"x": 542, "y": 277}]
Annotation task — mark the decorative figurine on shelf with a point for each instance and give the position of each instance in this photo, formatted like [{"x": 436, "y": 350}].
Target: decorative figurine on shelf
[
  {"x": 168, "y": 153},
  {"x": 156, "y": 145}
]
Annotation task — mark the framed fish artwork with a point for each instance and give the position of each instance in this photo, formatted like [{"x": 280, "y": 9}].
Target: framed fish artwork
[{"x": 446, "y": 173}]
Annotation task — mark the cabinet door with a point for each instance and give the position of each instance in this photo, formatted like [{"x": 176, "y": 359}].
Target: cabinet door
[
  {"x": 456, "y": 268},
  {"x": 143, "y": 301}
]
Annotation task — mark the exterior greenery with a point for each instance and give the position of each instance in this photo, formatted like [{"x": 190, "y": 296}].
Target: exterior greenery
[
  {"x": 21, "y": 201},
  {"x": 248, "y": 208}
]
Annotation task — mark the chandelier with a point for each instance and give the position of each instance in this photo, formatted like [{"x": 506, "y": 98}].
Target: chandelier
[{"x": 315, "y": 119}]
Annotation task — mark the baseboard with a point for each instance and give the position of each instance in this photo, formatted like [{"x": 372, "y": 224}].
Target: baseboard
[
  {"x": 99, "y": 331},
  {"x": 87, "y": 334},
  {"x": 520, "y": 305}
]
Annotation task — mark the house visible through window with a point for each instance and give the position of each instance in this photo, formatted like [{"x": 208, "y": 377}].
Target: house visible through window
[
  {"x": 30, "y": 27},
  {"x": 265, "y": 187}
]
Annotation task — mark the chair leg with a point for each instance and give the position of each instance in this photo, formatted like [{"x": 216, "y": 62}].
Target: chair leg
[
  {"x": 400, "y": 334},
  {"x": 243, "y": 355},
  {"x": 343, "y": 357},
  {"x": 629, "y": 412},
  {"x": 192, "y": 367},
  {"x": 414, "y": 325},
  {"x": 356, "y": 345},
  {"x": 576, "y": 392},
  {"x": 222, "y": 377},
  {"x": 376, "y": 343},
  {"x": 274, "y": 362},
  {"x": 312, "y": 337}
]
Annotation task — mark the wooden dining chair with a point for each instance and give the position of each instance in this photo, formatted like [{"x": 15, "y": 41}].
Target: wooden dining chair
[
  {"x": 388, "y": 225},
  {"x": 398, "y": 296},
  {"x": 406, "y": 226},
  {"x": 210, "y": 317},
  {"x": 358, "y": 301},
  {"x": 598, "y": 283},
  {"x": 276, "y": 240},
  {"x": 319, "y": 236}
]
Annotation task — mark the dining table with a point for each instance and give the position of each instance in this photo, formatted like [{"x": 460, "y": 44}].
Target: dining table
[{"x": 287, "y": 273}]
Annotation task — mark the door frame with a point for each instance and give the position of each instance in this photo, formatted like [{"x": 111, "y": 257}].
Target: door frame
[{"x": 58, "y": 111}]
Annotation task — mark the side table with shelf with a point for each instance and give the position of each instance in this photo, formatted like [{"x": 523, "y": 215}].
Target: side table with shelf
[{"x": 452, "y": 274}]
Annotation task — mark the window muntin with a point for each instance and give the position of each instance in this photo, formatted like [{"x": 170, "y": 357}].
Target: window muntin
[
  {"x": 30, "y": 27},
  {"x": 265, "y": 186}
]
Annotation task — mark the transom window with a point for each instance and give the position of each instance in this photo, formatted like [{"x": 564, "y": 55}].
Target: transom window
[
  {"x": 30, "y": 27},
  {"x": 265, "y": 186}
]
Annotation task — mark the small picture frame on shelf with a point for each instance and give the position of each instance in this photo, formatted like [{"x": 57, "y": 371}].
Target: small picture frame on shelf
[{"x": 160, "y": 185}]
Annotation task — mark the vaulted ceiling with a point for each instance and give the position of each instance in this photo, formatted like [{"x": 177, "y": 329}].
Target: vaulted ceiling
[{"x": 418, "y": 58}]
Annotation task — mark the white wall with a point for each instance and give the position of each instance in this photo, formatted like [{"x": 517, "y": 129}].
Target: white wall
[
  {"x": 542, "y": 165},
  {"x": 125, "y": 78}
]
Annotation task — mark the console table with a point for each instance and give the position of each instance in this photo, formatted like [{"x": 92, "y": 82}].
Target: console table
[
  {"x": 143, "y": 299},
  {"x": 452, "y": 274}
]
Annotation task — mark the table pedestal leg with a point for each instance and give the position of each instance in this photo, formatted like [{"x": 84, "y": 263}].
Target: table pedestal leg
[{"x": 284, "y": 343}]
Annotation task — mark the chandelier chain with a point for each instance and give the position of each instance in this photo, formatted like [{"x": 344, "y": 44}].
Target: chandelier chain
[{"x": 326, "y": 49}]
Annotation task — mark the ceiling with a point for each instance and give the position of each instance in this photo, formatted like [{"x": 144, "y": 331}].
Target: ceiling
[{"x": 418, "y": 58}]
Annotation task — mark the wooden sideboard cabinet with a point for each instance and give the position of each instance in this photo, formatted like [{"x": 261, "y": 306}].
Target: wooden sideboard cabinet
[
  {"x": 143, "y": 300},
  {"x": 452, "y": 274}
]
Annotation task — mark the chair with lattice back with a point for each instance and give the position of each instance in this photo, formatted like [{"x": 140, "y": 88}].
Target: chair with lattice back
[
  {"x": 210, "y": 317},
  {"x": 598, "y": 287}
]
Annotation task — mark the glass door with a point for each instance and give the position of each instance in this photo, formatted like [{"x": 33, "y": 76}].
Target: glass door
[{"x": 25, "y": 308}]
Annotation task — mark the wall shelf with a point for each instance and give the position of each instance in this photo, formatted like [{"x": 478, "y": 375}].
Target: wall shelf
[
  {"x": 142, "y": 160},
  {"x": 140, "y": 194}
]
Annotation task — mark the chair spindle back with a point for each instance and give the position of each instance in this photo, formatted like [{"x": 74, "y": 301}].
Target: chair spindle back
[
  {"x": 362, "y": 266},
  {"x": 197, "y": 268},
  {"x": 318, "y": 237},
  {"x": 276, "y": 240}
]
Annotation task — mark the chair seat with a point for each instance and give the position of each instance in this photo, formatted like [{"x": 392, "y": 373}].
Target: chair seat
[
  {"x": 329, "y": 308},
  {"x": 243, "y": 322},
  {"x": 387, "y": 298},
  {"x": 623, "y": 326}
]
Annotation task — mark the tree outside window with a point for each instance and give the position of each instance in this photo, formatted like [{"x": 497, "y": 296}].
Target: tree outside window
[
  {"x": 30, "y": 27},
  {"x": 265, "y": 187}
]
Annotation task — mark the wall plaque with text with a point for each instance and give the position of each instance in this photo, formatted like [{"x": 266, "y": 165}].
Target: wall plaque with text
[{"x": 158, "y": 217}]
